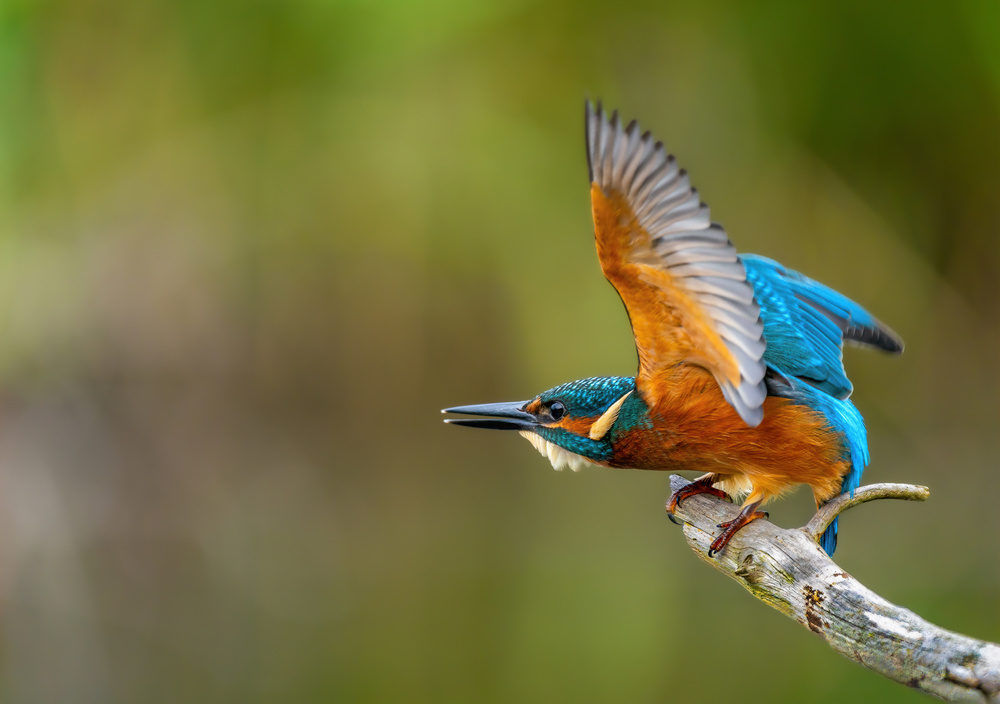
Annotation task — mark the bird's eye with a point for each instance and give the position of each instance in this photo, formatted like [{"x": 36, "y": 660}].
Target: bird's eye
[{"x": 557, "y": 410}]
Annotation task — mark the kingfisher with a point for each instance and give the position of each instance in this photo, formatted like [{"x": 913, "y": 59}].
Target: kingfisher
[{"x": 741, "y": 375}]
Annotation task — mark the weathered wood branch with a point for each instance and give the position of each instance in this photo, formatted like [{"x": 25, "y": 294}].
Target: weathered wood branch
[{"x": 787, "y": 570}]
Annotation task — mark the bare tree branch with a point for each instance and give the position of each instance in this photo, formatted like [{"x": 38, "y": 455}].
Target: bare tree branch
[
  {"x": 787, "y": 570},
  {"x": 832, "y": 509}
]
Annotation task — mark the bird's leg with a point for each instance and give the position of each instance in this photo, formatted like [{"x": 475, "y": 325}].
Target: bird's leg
[
  {"x": 701, "y": 485},
  {"x": 730, "y": 528}
]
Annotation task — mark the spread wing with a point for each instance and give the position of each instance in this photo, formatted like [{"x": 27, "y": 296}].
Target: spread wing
[
  {"x": 685, "y": 290},
  {"x": 807, "y": 323}
]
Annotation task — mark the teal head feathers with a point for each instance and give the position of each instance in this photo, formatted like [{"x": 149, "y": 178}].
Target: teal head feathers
[{"x": 574, "y": 424}]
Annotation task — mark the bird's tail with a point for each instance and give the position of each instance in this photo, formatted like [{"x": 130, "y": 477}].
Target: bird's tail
[
  {"x": 852, "y": 480},
  {"x": 829, "y": 540},
  {"x": 845, "y": 417}
]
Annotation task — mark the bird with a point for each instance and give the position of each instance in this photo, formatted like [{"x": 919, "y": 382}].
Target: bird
[{"x": 740, "y": 360}]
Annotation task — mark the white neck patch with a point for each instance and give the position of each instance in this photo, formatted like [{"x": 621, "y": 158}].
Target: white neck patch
[
  {"x": 603, "y": 424},
  {"x": 560, "y": 457}
]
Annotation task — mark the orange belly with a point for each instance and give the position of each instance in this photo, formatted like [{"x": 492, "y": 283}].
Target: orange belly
[{"x": 695, "y": 429}]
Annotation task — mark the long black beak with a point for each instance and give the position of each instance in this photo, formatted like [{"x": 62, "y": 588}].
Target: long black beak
[{"x": 503, "y": 416}]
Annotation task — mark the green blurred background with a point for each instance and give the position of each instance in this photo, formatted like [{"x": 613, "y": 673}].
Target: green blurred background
[{"x": 249, "y": 249}]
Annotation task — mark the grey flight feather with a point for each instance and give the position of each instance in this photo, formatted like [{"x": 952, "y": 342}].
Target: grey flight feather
[{"x": 692, "y": 249}]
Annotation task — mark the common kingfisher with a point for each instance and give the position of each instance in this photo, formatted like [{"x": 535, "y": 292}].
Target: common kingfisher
[{"x": 741, "y": 371}]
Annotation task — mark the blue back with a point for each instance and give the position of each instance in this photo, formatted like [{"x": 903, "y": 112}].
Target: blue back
[{"x": 805, "y": 325}]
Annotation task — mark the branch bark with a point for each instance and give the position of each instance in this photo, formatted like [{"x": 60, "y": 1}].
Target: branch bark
[{"x": 786, "y": 569}]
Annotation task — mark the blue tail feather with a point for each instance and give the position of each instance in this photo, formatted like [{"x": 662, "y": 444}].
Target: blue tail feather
[
  {"x": 845, "y": 417},
  {"x": 829, "y": 540}
]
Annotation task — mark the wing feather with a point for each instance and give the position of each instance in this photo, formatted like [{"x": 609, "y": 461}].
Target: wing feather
[
  {"x": 807, "y": 323},
  {"x": 685, "y": 288}
]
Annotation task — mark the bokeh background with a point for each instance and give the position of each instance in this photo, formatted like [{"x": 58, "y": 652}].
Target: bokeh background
[{"x": 249, "y": 249}]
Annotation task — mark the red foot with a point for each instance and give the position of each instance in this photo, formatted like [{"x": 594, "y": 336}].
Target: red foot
[
  {"x": 730, "y": 528},
  {"x": 699, "y": 486}
]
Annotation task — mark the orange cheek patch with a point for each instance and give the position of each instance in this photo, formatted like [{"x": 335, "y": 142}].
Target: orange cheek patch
[{"x": 577, "y": 426}]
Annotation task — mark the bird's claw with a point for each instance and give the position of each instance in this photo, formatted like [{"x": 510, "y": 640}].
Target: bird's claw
[
  {"x": 730, "y": 528},
  {"x": 700, "y": 486}
]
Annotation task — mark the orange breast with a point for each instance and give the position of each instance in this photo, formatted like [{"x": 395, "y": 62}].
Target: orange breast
[{"x": 694, "y": 429}]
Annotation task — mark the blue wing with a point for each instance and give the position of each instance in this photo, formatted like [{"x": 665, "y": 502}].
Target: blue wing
[{"x": 805, "y": 326}]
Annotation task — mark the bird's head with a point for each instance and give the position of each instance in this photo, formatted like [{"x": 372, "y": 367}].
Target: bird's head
[{"x": 574, "y": 424}]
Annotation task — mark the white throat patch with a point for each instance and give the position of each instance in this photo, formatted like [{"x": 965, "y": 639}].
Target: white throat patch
[{"x": 560, "y": 458}]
